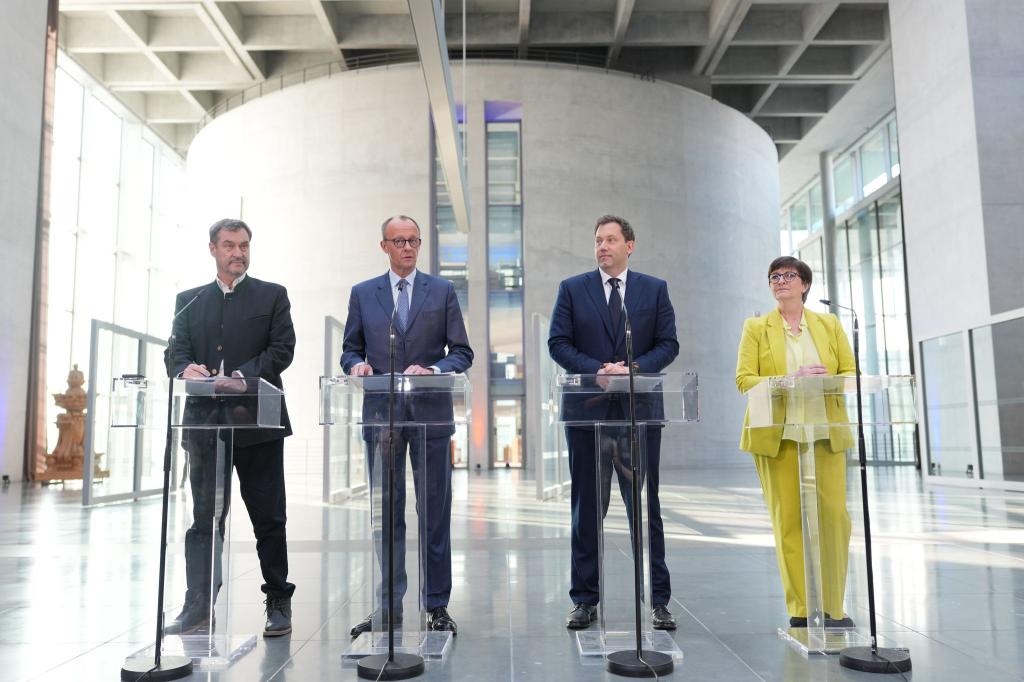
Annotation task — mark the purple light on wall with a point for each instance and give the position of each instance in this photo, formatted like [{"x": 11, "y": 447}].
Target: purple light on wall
[{"x": 503, "y": 111}]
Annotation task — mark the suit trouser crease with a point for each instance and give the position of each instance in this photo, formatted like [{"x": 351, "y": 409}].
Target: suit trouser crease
[
  {"x": 780, "y": 482},
  {"x": 432, "y": 484},
  {"x": 585, "y": 496}
]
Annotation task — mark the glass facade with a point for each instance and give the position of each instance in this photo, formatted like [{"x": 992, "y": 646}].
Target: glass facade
[
  {"x": 452, "y": 246},
  {"x": 505, "y": 291},
  {"x": 868, "y": 263},
  {"x": 114, "y": 233},
  {"x": 946, "y": 413},
  {"x": 451, "y": 259},
  {"x": 998, "y": 363}
]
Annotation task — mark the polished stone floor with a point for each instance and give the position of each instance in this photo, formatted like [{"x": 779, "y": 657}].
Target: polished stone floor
[{"x": 78, "y": 585}]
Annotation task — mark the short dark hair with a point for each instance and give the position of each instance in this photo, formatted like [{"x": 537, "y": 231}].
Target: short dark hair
[
  {"x": 229, "y": 224},
  {"x": 802, "y": 269},
  {"x": 384, "y": 225},
  {"x": 627, "y": 229}
]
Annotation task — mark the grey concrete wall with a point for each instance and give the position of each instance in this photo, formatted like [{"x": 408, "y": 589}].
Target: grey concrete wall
[
  {"x": 943, "y": 221},
  {"x": 318, "y": 165},
  {"x": 995, "y": 31},
  {"x": 315, "y": 169},
  {"x": 22, "y": 47},
  {"x": 959, "y": 78}
]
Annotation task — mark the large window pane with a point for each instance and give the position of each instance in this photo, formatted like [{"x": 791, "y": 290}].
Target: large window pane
[
  {"x": 846, "y": 190},
  {"x": 799, "y": 222},
  {"x": 944, "y": 373},
  {"x": 812, "y": 255},
  {"x": 872, "y": 162},
  {"x": 999, "y": 385},
  {"x": 814, "y": 203},
  {"x": 894, "y": 149}
]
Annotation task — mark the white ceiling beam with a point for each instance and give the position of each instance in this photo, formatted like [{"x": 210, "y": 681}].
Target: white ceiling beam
[
  {"x": 428, "y": 25},
  {"x": 724, "y": 19},
  {"x": 328, "y": 21},
  {"x": 524, "y": 27},
  {"x": 228, "y": 26},
  {"x": 623, "y": 13}
]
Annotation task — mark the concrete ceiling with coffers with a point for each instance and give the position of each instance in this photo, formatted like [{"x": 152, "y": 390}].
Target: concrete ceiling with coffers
[{"x": 784, "y": 64}]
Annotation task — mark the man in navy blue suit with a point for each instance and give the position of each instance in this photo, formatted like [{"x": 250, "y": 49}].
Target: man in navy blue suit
[
  {"x": 430, "y": 339},
  {"x": 587, "y": 336}
]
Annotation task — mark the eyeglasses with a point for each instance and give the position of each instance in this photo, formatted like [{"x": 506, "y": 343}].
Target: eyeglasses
[
  {"x": 778, "y": 277},
  {"x": 400, "y": 243}
]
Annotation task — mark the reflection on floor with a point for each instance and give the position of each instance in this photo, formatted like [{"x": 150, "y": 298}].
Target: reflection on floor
[{"x": 77, "y": 586}]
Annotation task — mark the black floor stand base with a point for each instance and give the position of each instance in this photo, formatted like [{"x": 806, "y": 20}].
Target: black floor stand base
[
  {"x": 879, "y": 661},
  {"x": 627, "y": 664},
  {"x": 379, "y": 667},
  {"x": 170, "y": 668}
]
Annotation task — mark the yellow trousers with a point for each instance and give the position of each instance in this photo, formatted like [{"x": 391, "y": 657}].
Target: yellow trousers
[{"x": 780, "y": 481}]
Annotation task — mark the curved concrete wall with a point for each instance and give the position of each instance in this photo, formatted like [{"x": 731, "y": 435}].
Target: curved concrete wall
[{"x": 314, "y": 168}]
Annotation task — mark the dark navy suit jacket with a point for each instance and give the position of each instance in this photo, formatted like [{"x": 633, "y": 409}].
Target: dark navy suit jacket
[
  {"x": 581, "y": 337},
  {"x": 435, "y": 336}
]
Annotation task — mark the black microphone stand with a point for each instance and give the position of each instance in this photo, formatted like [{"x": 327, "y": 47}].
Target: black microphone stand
[
  {"x": 391, "y": 666},
  {"x": 161, "y": 667},
  {"x": 638, "y": 662},
  {"x": 870, "y": 659}
]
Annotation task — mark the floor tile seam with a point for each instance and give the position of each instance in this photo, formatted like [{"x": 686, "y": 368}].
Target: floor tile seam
[
  {"x": 308, "y": 640},
  {"x": 963, "y": 649},
  {"x": 718, "y": 639},
  {"x": 511, "y": 639},
  {"x": 80, "y": 655}
]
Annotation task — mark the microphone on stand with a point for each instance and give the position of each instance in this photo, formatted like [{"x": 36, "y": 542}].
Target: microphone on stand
[
  {"x": 169, "y": 667},
  {"x": 638, "y": 662},
  {"x": 867, "y": 659},
  {"x": 391, "y": 477}
]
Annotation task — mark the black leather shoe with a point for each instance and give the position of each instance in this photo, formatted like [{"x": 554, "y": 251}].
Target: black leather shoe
[
  {"x": 279, "y": 616},
  {"x": 797, "y": 622},
  {"x": 581, "y": 616},
  {"x": 846, "y": 622},
  {"x": 366, "y": 624},
  {"x": 661, "y": 619},
  {"x": 440, "y": 620},
  {"x": 194, "y": 619}
]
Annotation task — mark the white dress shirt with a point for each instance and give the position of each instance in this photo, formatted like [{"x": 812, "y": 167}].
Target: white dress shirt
[{"x": 606, "y": 278}]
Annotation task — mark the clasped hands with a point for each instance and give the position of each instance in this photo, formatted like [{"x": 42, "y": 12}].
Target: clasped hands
[
  {"x": 610, "y": 368},
  {"x": 811, "y": 370},
  {"x": 233, "y": 384},
  {"x": 363, "y": 369}
]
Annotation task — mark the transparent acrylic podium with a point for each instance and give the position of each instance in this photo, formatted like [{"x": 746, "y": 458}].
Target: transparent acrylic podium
[
  {"x": 811, "y": 409},
  {"x": 426, "y": 407},
  {"x": 207, "y": 416},
  {"x": 601, "y": 403}
]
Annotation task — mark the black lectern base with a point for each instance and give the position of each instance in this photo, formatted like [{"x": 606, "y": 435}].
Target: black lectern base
[
  {"x": 170, "y": 668},
  {"x": 880, "y": 661},
  {"x": 379, "y": 667},
  {"x": 627, "y": 664}
]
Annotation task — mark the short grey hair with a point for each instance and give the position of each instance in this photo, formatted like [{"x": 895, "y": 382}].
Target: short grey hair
[
  {"x": 229, "y": 224},
  {"x": 384, "y": 225},
  {"x": 627, "y": 229}
]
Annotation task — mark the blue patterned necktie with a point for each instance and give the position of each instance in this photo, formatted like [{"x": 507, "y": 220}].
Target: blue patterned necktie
[{"x": 403, "y": 303}]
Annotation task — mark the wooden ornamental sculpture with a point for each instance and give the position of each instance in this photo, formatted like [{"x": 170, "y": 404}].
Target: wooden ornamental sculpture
[{"x": 65, "y": 462}]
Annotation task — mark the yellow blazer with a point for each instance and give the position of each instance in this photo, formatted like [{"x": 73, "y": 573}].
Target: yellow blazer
[{"x": 762, "y": 354}]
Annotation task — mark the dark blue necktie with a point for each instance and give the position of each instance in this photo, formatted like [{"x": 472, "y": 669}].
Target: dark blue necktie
[
  {"x": 403, "y": 303},
  {"x": 615, "y": 305}
]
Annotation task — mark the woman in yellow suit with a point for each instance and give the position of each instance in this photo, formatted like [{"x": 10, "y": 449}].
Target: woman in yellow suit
[{"x": 795, "y": 341}]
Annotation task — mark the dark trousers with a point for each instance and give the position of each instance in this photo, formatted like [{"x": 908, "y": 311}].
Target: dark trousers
[
  {"x": 260, "y": 470},
  {"x": 585, "y": 467},
  {"x": 432, "y": 479}
]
